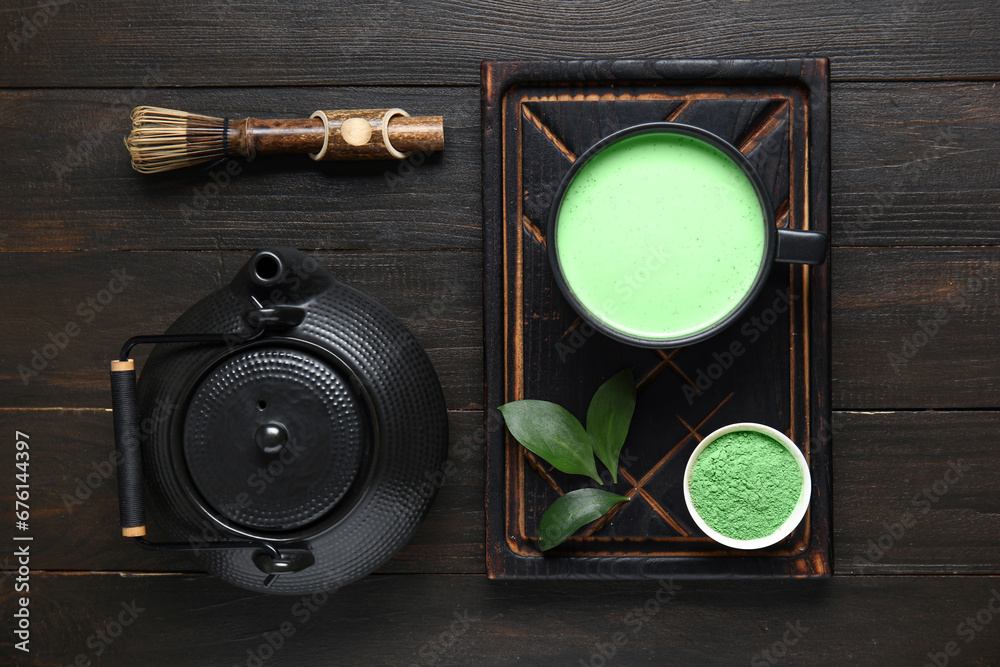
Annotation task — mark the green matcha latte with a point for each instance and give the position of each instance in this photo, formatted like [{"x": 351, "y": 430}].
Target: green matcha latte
[{"x": 660, "y": 235}]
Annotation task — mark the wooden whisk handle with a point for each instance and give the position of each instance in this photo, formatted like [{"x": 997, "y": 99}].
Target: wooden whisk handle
[{"x": 366, "y": 134}]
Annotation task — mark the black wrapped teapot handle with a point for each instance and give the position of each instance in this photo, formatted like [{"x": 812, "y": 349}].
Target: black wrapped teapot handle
[{"x": 125, "y": 409}]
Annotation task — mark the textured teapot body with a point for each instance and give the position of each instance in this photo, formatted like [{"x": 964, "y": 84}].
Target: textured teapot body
[{"x": 316, "y": 436}]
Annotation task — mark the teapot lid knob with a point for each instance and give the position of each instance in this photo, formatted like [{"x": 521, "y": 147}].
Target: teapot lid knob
[{"x": 271, "y": 437}]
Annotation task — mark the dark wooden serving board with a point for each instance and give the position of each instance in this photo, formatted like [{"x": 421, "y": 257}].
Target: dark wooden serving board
[{"x": 537, "y": 117}]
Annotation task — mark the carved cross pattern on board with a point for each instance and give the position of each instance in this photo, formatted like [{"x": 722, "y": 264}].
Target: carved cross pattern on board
[{"x": 554, "y": 132}]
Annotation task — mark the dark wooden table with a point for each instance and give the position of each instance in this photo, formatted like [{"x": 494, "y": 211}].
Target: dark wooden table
[{"x": 916, "y": 297}]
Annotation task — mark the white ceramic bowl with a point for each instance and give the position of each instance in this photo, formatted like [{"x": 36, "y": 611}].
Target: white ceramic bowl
[{"x": 798, "y": 512}]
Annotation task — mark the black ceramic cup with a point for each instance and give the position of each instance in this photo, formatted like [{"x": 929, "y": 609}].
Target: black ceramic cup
[{"x": 779, "y": 245}]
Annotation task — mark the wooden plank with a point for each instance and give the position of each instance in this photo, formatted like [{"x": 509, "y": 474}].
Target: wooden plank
[
  {"x": 229, "y": 43},
  {"x": 915, "y": 328},
  {"x": 74, "y": 499},
  {"x": 467, "y": 620},
  {"x": 882, "y": 463},
  {"x": 916, "y": 164},
  {"x": 916, "y": 492},
  {"x": 69, "y": 185},
  {"x": 882, "y": 303},
  {"x": 57, "y": 354},
  {"x": 913, "y": 164}
]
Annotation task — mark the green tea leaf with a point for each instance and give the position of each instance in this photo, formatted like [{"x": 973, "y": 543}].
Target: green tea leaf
[
  {"x": 554, "y": 434},
  {"x": 609, "y": 416},
  {"x": 572, "y": 511}
]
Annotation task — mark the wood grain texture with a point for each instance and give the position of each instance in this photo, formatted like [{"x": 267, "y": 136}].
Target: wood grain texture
[
  {"x": 468, "y": 620},
  {"x": 882, "y": 462},
  {"x": 316, "y": 43},
  {"x": 90, "y": 322},
  {"x": 880, "y": 298},
  {"x": 913, "y": 164},
  {"x": 916, "y": 492},
  {"x": 915, "y": 328},
  {"x": 73, "y": 480},
  {"x": 916, "y": 164},
  {"x": 68, "y": 184},
  {"x": 915, "y": 118}
]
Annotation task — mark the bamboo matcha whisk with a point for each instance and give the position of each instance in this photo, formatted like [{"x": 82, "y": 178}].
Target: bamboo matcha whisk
[{"x": 164, "y": 139}]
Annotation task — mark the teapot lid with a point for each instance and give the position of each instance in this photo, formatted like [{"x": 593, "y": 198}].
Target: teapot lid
[{"x": 275, "y": 436}]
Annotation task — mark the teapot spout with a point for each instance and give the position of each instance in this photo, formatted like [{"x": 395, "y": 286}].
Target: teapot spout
[
  {"x": 281, "y": 275},
  {"x": 266, "y": 268}
]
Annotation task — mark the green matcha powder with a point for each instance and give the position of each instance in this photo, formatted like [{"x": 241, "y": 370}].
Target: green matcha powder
[{"x": 745, "y": 485}]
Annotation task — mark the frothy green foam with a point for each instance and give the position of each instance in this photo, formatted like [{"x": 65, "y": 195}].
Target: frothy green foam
[{"x": 660, "y": 235}]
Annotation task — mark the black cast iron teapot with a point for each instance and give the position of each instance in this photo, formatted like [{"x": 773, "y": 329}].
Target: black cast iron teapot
[{"x": 286, "y": 428}]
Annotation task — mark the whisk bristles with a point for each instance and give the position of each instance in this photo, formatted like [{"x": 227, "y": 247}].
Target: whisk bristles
[{"x": 164, "y": 139}]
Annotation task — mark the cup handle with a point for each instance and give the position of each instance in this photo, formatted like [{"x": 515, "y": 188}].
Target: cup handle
[{"x": 800, "y": 247}]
